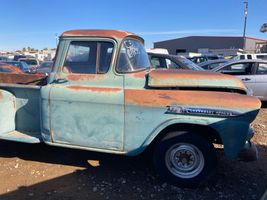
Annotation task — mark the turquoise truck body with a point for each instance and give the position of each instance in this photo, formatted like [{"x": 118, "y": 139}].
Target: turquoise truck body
[{"x": 122, "y": 113}]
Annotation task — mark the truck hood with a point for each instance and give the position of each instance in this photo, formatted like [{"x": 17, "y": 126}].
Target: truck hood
[
  {"x": 164, "y": 78},
  {"x": 193, "y": 102}
]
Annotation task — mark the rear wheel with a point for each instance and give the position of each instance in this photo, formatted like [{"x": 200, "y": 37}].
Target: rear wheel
[{"x": 184, "y": 158}]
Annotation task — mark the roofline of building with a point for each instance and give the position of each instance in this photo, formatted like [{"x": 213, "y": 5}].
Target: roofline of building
[{"x": 198, "y": 36}]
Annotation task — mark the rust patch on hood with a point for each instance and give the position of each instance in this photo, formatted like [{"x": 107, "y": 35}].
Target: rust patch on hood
[
  {"x": 93, "y": 89},
  {"x": 1, "y": 95},
  {"x": 190, "y": 78},
  {"x": 163, "y": 98}
]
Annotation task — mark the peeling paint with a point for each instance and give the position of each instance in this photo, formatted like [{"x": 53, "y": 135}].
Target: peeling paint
[
  {"x": 162, "y": 98},
  {"x": 101, "y": 33},
  {"x": 25, "y": 79},
  {"x": 93, "y": 89},
  {"x": 140, "y": 75},
  {"x": 189, "y": 78},
  {"x": 86, "y": 77}
]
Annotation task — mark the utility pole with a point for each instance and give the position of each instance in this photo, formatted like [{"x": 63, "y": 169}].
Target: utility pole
[{"x": 245, "y": 24}]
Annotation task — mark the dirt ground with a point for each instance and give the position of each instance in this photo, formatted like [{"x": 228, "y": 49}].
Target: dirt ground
[{"x": 44, "y": 172}]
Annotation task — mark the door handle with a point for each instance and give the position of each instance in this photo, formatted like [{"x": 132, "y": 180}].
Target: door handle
[
  {"x": 245, "y": 79},
  {"x": 60, "y": 80}
]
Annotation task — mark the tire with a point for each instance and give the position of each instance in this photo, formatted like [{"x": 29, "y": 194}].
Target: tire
[{"x": 184, "y": 159}]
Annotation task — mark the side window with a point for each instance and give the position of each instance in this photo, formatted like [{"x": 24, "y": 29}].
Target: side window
[
  {"x": 238, "y": 69},
  {"x": 262, "y": 68},
  {"x": 171, "y": 64},
  {"x": 212, "y": 66},
  {"x": 155, "y": 62},
  {"x": 249, "y": 56},
  {"x": 264, "y": 57},
  {"x": 88, "y": 57},
  {"x": 132, "y": 57}
]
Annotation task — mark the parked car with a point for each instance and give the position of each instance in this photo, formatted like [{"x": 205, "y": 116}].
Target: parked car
[
  {"x": 9, "y": 69},
  {"x": 168, "y": 61},
  {"x": 102, "y": 95},
  {"x": 3, "y": 58},
  {"x": 252, "y": 72},
  {"x": 210, "y": 64},
  {"x": 200, "y": 59},
  {"x": 253, "y": 56},
  {"x": 32, "y": 62},
  {"x": 45, "y": 67},
  {"x": 20, "y": 64},
  {"x": 17, "y": 57}
]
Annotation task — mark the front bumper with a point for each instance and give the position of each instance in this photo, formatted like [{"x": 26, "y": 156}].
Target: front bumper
[{"x": 249, "y": 152}]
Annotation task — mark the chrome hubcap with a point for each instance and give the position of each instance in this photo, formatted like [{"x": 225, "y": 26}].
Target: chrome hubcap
[{"x": 184, "y": 160}]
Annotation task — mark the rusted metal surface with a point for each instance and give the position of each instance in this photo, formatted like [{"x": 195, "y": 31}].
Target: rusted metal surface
[
  {"x": 160, "y": 98},
  {"x": 190, "y": 78},
  {"x": 1, "y": 95},
  {"x": 11, "y": 68},
  {"x": 27, "y": 79},
  {"x": 101, "y": 33},
  {"x": 139, "y": 75},
  {"x": 93, "y": 89},
  {"x": 86, "y": 77}
]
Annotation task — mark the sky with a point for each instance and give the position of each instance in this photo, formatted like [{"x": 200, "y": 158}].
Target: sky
[{"x": 36, "y": 23}]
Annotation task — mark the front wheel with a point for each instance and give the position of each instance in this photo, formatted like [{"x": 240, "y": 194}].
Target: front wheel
[{"x": 184, "y": 158}]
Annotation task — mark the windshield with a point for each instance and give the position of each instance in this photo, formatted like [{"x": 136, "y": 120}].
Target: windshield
[
  {"x": 46, "y": 65},
  {"x": 133, "y": 57},
  {"x": 30, "y": 62},
  {"x": 189, "y": 63}
]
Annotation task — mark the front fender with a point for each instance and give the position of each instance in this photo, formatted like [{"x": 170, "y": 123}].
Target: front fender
[
  {"x": 170, "y": 122},
  {"x": 233, "y": 132},
  {"x": 156, "y": 131}
]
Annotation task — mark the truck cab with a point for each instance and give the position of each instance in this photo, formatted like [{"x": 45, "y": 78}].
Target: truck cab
[{"x": 103, "y": 96}]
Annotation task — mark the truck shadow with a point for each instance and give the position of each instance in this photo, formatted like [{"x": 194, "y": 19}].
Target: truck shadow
[
  {"x": 264, "y": 104},
  {"x": 119, "y": 177}
]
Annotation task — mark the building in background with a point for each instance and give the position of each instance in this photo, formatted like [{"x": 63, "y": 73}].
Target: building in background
[{"x": 219, "y": 45}]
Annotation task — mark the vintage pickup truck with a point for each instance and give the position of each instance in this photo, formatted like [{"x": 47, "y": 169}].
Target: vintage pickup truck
[{"x": 103, "y": 96}]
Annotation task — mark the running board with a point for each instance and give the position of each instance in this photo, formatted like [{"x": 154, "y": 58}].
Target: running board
[{"x": 25, "y": 137}]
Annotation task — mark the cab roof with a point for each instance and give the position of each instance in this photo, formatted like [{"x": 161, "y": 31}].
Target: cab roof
[{"x": 118, "y": 34}]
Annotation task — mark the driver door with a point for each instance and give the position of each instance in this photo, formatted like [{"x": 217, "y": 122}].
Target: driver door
[{"x": 87, "y": 99}]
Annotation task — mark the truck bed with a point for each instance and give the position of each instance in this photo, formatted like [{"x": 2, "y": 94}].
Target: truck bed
[
  {"x": 22, "y": 79},
  {"x": 20, "y": 106}
]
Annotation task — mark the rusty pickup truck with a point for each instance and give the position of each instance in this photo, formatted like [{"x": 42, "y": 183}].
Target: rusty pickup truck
[{"x": 102, "y": 95}]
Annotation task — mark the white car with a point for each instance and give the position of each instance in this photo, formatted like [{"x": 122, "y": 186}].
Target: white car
[
  {"x": 253, "y": 73},
  {"x": 251, "y": 56}
]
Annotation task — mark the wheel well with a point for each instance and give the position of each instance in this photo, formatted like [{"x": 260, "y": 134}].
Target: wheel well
[{"x": 206, "y": 131}]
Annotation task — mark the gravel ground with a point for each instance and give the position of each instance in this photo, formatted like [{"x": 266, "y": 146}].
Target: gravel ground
[{"x": 44, "y": 172}]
